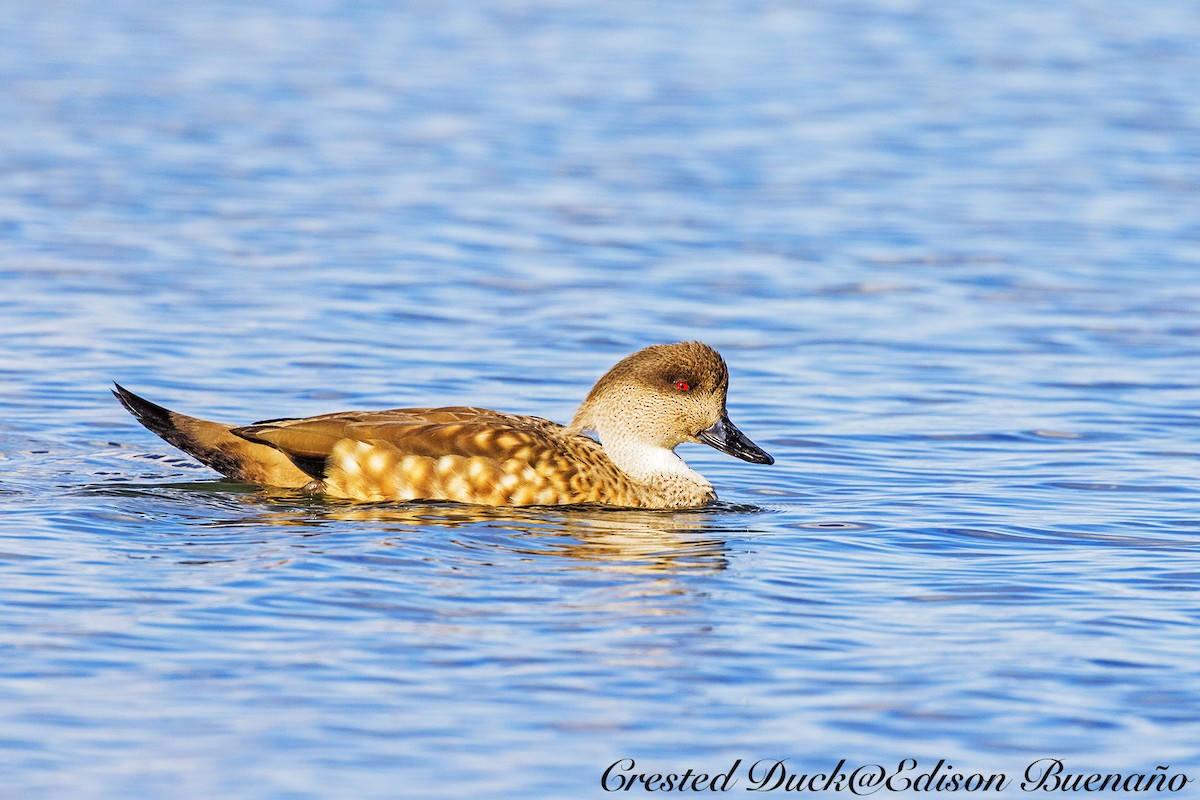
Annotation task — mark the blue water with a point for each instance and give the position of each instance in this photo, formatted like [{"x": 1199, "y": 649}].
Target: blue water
[{"x": 950, "y": 251}]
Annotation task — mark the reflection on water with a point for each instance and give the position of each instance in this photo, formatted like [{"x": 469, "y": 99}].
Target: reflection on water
[{"x": 627, "y": 540}]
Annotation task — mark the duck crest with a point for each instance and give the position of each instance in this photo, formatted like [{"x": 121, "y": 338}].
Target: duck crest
[{"x": 640, "y": 410}]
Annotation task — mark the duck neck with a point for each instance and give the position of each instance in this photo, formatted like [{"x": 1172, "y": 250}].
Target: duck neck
[{"x": 649, "y": 464}]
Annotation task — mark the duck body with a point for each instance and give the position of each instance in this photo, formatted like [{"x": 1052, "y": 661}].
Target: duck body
[{"x": 641, "y": 410}]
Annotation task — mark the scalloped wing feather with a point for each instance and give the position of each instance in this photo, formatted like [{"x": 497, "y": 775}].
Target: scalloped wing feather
[{"x": 461, "y": 454}]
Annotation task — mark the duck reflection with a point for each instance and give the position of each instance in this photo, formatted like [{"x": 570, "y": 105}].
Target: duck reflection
[
  {"x": 597, "y": 537},
  {"x": 626, "y": 540}
]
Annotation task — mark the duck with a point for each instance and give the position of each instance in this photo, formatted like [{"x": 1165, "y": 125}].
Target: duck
[{"x": 639, "y": 411}]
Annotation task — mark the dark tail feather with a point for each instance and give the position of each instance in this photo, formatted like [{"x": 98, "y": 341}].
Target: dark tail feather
[
  {"x": 154, "y": 417},
  {"x": 212, "y": 444}
]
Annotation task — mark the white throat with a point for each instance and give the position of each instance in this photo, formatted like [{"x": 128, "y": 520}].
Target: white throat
[{"x": 649, "y": 463}]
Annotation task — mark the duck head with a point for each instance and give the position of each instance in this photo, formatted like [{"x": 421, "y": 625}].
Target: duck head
[{"x": 663, "y": 396}]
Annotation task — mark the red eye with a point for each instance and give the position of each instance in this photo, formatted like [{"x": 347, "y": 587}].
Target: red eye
[{"x": 682, "y": 386}]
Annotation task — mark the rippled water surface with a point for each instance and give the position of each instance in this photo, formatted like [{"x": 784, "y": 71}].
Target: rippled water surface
[{"x": 950, "y": 251}]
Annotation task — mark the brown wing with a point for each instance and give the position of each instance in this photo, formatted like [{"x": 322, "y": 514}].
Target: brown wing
[
  {"x": 425, "y": 432},
  {"x": 467, "y": 455}
]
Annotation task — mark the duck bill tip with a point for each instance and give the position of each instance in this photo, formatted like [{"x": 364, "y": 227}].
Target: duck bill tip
[{"x": 723, "y": 435}]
